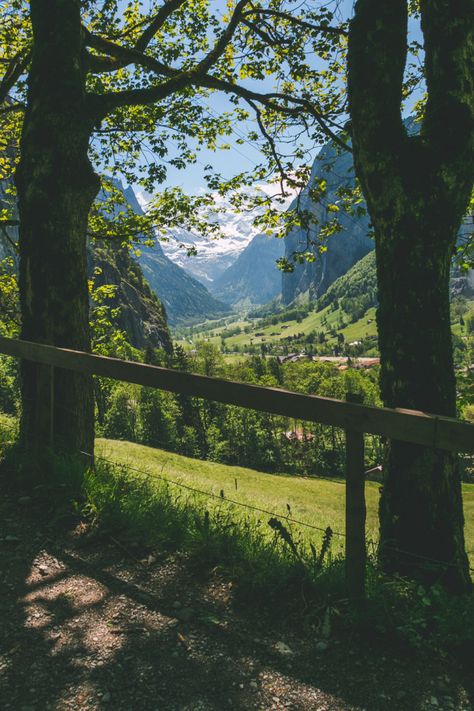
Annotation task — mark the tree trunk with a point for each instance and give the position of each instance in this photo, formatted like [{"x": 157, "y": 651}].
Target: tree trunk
[
  {"x": 421, "y": 515},
  {"x": 417, "y": 189},
  {"x": 56, "y": 187}
]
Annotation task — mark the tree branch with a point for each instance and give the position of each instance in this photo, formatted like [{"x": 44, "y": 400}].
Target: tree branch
[
  {"x": 449, "y": 116},
  {"x": 177, "y": 79},
  {"x": 270, "y": 41},
  {"x": 122, "y": 56},
  {"x": 297, "y": 21},
  {"x": 300, "y": 105},
  {"x": 116, "y": 60},
  {"x": 220, "y": 46},
  {"x": 283, "y": 174},
  {"x": 13, "y": 73},
  {"x": 159, "y": 20},
  {"x": 117, "y": 56},
  {"x": 101, "y": 105},
  {"x": 196, "y": 76}
]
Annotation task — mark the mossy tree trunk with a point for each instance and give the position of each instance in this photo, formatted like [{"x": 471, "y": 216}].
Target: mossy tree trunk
[
  {"x": 56, "y": 187},
  {"x": 417, "y": 189}
]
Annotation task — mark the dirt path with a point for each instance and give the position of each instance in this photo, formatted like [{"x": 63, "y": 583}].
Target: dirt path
[{"x": 86, "y": 625}]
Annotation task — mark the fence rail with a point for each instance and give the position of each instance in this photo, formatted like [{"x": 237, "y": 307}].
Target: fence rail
[
  {"x": 356, "y": 419},
  {"x": 406, "y": 425}
]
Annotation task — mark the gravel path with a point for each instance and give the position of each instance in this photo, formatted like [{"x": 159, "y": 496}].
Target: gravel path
[{"x": 87, "y": 624}]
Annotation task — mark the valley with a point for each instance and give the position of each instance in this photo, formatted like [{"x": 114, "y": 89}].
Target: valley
[
  {"x": 341, "y": 323},
  {"x": 232, "y": 294},
  {"x": 318, "y": 332},
  {"x": 324, "y": 332},
  {"x": 236, "y": 356}
]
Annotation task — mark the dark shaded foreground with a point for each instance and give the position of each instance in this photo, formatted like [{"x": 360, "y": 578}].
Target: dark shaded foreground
[{"x": 89, "y": 624}]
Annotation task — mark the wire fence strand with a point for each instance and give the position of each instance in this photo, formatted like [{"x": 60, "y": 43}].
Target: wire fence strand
[
  {"x": 211, "y": 494},
  {"x": 222, "y": 498},
  {"x": 289, "y": 519}
]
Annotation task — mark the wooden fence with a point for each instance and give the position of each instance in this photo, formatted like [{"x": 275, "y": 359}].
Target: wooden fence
[{"x": 356, "y": 419}]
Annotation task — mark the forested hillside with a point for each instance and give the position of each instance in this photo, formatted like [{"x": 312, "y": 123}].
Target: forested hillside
[{"x": 356, "y": 291}]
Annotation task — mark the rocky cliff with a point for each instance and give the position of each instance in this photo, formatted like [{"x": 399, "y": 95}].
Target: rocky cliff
[
  {"x": 141, "y": 315},
  {"x": 343, "y": 249},
  {"x": 254, "y": 277}
]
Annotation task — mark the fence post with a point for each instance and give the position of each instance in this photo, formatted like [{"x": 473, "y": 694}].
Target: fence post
[
  {"x": 51, "y": 407},
  {"x": 355, "y": 510}
]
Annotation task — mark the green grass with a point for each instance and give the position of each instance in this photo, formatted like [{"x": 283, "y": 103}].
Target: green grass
[
  {"x": 272, "y": 568},
  {"x": 267, "y": 561},
  {"x": 312, "y": 322},
  {"x": 8, "y": 430},
  {"x": 319, "y": 502},
  {"x": 204, "y": 330}
]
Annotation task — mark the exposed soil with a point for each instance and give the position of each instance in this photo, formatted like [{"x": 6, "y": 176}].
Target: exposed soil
[{"x": 87, "y": 624}]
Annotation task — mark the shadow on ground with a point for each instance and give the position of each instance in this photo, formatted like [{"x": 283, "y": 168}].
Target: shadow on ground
[{"x": 86, "y": 625}]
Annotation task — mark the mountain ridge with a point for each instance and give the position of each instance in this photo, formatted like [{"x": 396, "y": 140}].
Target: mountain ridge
[
  {"x": 343, "y": 249},
  {"x": 254, "y": 278},
  {"x": 184, "y": 297}
]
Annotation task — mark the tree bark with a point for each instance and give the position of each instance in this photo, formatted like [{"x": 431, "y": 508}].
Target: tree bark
[
  {"x": 417, "y": 188},
  {"x": 56, "y": 187},
  {"x": 421, "y": 515}
]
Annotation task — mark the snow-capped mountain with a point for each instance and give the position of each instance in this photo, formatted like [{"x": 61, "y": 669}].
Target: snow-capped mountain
[{"x": 216, "y": 254}]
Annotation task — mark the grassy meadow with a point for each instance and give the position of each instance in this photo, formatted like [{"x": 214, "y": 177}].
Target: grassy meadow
[
  {"x": 319, "y": 321},
  {"x": 319, "y": 502},
  {"x": 275, "y": 333}
]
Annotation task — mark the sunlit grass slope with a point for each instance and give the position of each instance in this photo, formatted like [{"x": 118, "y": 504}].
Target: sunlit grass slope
[
  {"x": 319, "y": 502},
  {"x": 320, "y": 321},
  {"x": 362, "y": 328}
]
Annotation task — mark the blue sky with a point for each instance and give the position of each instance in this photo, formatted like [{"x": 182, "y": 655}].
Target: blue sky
[{"x": 240, "y": 157}]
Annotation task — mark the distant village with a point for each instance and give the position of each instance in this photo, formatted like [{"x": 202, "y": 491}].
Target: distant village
[{"x": 343, "y": 362}]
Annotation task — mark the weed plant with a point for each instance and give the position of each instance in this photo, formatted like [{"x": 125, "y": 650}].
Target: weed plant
[
  {"x": 273, "y": 565},
  {"x": 267, "y": 558}
]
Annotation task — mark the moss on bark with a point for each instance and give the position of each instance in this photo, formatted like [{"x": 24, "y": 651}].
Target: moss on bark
[
  {"x": 56, "y": 187},
  {"x": 417, "y": 191}
]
